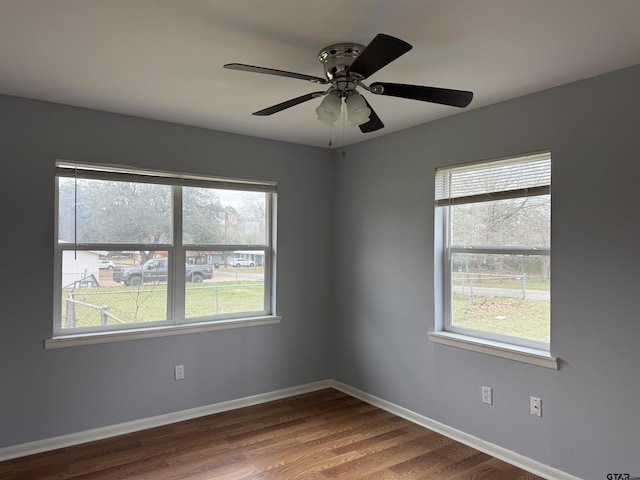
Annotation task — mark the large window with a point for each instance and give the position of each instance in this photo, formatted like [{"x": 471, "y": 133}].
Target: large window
[
  {"x": 493, "y": 236},
  {"x": 138, "y": 249}
]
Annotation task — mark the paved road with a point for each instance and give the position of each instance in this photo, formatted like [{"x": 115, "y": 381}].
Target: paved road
[{"x": 236, "y": 274}]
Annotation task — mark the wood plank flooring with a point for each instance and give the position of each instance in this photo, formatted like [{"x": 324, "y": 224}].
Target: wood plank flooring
[{"x": 316, "y": 436}]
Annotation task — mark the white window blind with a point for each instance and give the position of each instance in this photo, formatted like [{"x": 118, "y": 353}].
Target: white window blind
[
  {"x": 127, "y": 174},
  {"x": 508, "y": 178}
]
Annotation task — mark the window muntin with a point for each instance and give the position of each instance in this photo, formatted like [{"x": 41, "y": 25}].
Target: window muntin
[
  {"x": 170, "y": 246},
  {"x": 494, "y": 221}
]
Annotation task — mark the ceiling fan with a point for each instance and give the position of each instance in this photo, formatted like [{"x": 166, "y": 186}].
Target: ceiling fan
[{"x": 346, "y": 65}]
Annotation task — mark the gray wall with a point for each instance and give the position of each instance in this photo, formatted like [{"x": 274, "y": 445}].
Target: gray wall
[
  {"x": 51, "y": 393},
  {"x": 384, "y": 260},
  {"x": 362, "y": 317}
]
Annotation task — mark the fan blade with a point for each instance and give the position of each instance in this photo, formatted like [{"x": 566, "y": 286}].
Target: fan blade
[
  {"x": 444, "y": 96},
  {"x": 382, "y": 50},
  {"x": 289, "y": 103},
  {"x": 374, "y": 122},
  {"x": 271, "y": 71}
]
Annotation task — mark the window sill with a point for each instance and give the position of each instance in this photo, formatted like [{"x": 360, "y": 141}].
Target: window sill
[
  {"x": 497, "y": 349},
  {"x": 66, "y": 341}
]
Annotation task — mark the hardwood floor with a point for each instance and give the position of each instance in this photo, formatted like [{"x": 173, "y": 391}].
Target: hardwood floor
[{"x": 316, "y": 436}]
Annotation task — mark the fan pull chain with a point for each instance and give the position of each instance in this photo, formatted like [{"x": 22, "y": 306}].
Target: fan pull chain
[{"x": 344, "y": 114}]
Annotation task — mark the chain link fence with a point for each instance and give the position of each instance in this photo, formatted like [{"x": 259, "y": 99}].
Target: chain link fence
[{"x": 87, "y": 307}]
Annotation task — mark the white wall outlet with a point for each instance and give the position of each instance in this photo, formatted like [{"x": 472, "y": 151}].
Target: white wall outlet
[
  {"x": 536, "y": 406},
  {"x": 487, "y": 395},
  {"x": 179, "y": 372}
]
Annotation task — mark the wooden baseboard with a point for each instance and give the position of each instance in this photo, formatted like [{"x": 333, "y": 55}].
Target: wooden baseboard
[
  {"x": 496, "y": 451},
  {"x": 501, "y": 453},
  {"x": 69, "y": 440}
]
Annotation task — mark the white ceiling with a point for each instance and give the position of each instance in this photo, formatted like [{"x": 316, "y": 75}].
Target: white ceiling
[{"x": 162, "y": 59}]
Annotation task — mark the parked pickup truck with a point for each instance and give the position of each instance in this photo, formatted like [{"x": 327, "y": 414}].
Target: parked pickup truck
[{"x": 155, "y": 270}]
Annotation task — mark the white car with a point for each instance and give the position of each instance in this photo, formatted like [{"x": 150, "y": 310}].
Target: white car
[
  {"x": 108, "y": 264},
  {"x": 241, "y": 262}
]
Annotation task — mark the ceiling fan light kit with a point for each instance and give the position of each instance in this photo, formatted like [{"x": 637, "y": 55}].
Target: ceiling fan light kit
[
  {"x": 329, "y": 109},
  {"x": 357, "y": 110},
  {"x": 346, "y": 65}
]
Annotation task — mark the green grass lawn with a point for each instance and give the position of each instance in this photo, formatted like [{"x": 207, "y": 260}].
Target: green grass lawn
[
  {"x": 149, "y": 302},
  {"x": 507, "y": 316}
]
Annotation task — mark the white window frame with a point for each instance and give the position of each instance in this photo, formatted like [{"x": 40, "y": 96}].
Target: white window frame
[
  {"x": 445, "y": 331},
  {"x": 175, "y": 323}
]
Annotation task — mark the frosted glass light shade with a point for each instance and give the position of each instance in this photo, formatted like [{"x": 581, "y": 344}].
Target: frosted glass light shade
[
  {"x": 357, "y": 110},
  {"x": 329, "y": 109}
]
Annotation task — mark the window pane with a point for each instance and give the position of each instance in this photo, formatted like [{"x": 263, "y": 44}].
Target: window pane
[
  {"x": 503, "y": 294},
  {"x": 521, "y": 221},
  {"x": 216, "y": 216},
  {"x": 236, "y": 286},
  {"x": 103, "y": 215},
  {"x": 105, "y": 211},
  {"x": 113, "y": 288}
]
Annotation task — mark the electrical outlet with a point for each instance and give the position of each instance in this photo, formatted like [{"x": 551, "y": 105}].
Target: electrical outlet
[
  {"x": 487, "y": 395},
  {"x": 536, "y": 406},
  {"x": 179, "y": 372}
]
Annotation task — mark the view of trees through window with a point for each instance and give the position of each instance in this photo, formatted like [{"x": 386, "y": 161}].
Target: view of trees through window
[
  {"x": 117, "y": 240},
  {"x": 497, "y": 224},
  {"x": 126, "y": 212}
]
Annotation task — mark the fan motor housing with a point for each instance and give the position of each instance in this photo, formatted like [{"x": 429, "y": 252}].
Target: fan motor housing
[{"x": 337, "y": 58}]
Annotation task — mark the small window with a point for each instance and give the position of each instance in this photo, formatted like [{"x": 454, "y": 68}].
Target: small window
[
  {"x": 493, "y": 236},
  {"x": 139, "y": 249}
]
